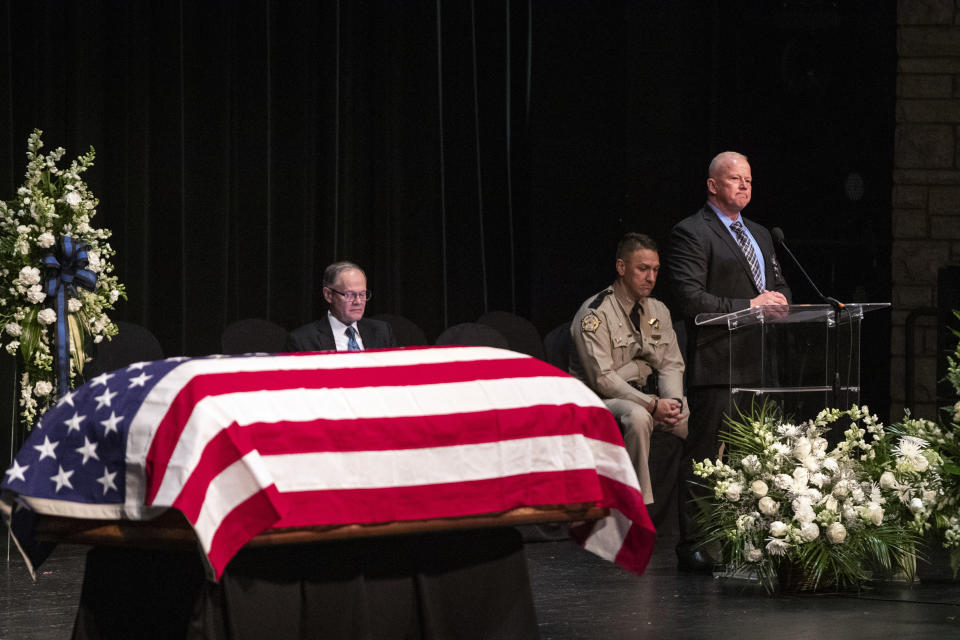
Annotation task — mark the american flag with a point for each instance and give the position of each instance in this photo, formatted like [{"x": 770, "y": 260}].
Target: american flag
[{"x": 242, "y": 444}]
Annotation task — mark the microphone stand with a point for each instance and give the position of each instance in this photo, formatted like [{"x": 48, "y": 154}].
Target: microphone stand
[{"x": 837, "y": 308}]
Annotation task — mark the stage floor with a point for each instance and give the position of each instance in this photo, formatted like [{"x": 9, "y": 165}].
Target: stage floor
[{"x": 579, "y": 596}]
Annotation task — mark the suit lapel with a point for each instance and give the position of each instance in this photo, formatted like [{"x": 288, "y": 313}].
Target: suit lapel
[
  {"x": 325, "y": 333},
  {"x": 715, "y": 225}
]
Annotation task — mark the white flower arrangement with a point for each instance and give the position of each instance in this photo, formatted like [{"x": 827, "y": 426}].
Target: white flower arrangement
[
  {"x": 839, "y": 514},
  {"x": 52, "y": 203}
]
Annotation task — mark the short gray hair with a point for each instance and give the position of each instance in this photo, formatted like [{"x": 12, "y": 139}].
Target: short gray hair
[{"x": 332, "y": 273}]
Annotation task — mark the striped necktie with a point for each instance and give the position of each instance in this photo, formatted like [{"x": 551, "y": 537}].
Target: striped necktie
[
  {"x": 749, "y": 253},
  {"x": 352, "y": 339}
]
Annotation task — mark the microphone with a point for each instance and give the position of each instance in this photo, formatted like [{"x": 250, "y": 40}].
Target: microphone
[{"x": 777, "y": 234}]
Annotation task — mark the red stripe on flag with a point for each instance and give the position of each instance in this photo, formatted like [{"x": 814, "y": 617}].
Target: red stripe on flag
[{"x": 249, "y": 518}]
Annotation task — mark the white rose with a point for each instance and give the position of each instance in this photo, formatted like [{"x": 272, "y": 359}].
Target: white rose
[
  {"x": 42, "y": 388},
  {"x": 809, "y": 531},
  {"x": 46, "y": 240},
  {"x": 759, "y": 488},
  {"x": 73, "y": 305},
  {"x": 873, "y": 512},
  {"x": 830, "y": 503},
  {"x": 888, "y": 480},
  {"x": 802, "y": 449},
  {"x": 836, "y": 533},
  {"x": 778, "y": 529},
  {"x": 13, "y": 329},
  {"x": 47, "y": 316},
  {"x": 921, "y": 463},
  {"x": 29, "y": 276},
  {"x": 73, "y": 198},
  {"x": 768, "y": 506},
  {"x": 916, "y": 505},
  {"x": 805, "y": 514},
  {"x": 800, "y": 477},
  {"x": 841, "y": 490},
  {"x": 35, "y": 294}
]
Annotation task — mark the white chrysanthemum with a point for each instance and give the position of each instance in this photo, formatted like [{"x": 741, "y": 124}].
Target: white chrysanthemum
[
  {"x": 802, "y": 449},
  {"x": 778, "y": 529},
  {"x": 732, "y": 492},
  {"x": 47, "y": 316},
  {"x": 46, "y": 240},
  {"x": 73, "y": 305},
  {"x": 830, "y": 503},
  {"x": 836, "y": 533},
  {"x": 750, "y": 464},
  {"x": 93, "y": 261},
  {"x": 831, "y": 465},
  {"x": 13, "y": 329},
  {"x": 805, "y": 514},
  {"x": 780, "y": 449},
  {"x": 777, "y": 547},
  {"x": 788, "y": 430},
  {"x": 809, "y": 531}
]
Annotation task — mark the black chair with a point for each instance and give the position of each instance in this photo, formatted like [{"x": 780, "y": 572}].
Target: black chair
[
  {"x": 473, "y": 334},
  {"x": 520, "y": 333},
  {"x": 253, "y": 335},
  {"x": 133, "y": 343},
  {"x": 557, "y": 345},
  {"x": 406, "y": 331}
]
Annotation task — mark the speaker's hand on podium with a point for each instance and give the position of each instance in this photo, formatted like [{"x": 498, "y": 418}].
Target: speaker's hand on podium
[{"x": 768, "y": 298}]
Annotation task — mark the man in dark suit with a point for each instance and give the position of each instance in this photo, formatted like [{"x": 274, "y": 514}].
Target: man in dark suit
[
  {"x": 719, "y": 262},
  {"x": 344, "y": 328}
]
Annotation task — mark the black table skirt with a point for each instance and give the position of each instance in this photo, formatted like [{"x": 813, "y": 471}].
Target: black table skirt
[{"x": 467, "y": 584}]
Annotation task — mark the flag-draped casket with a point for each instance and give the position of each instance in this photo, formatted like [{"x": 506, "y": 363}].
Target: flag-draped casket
[{"x": 245, "y": 444}]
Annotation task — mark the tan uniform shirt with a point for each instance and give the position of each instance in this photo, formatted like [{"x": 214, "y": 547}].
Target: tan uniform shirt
[{"x": 611, "y": 352}]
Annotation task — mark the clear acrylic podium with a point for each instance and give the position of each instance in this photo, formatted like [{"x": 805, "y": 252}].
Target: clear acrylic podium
[{"x": 800, "y": 355}]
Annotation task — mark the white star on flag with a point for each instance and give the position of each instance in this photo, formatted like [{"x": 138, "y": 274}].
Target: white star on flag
[
  {"x": 107, "y": 481},
  {"x": 46, "y": 449},
  {"x": 62, "y": 478},
  {"x": 138, "y": 365},
  {"x": 110, "y": 424},
  {"x": 104, "y": 399},
  {"x": 89, "y": 450},
  {"x": 66, "y": 399},
  {"x": 103, "y": 378},
  {"x": 74, "y": 422},
  {"x": 139, "y": 381},
  {"x": 16, "y": 471}
]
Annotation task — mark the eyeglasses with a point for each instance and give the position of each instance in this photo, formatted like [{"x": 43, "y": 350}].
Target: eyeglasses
[{"x": 353, "y": 296}]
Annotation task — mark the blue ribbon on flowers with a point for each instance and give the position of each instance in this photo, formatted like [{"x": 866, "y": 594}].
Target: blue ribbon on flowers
[{"x": 66, "y": 268}]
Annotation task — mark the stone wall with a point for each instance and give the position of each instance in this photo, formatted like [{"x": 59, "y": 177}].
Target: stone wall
[{"x": 926, "y": 183}]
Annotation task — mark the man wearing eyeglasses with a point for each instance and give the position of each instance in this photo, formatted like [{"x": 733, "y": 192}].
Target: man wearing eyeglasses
[{"x": 344, "y": 328}]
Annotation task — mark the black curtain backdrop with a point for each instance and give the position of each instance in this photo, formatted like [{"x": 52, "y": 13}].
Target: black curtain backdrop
[{"x": 472, "y": 155}]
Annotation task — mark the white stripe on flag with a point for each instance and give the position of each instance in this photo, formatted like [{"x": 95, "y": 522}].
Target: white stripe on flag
[
  {"x": 433, "y": 465},
  {"x": 230, "y": 488}
]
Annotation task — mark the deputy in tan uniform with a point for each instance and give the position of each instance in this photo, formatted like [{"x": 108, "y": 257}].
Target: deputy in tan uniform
[{"x": 627, "y": 352}]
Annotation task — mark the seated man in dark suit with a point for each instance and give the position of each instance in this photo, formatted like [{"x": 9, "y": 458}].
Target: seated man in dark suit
[{"x": 344, "y": 328}]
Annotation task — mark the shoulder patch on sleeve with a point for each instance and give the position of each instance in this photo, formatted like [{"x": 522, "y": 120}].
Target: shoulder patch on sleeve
[
  {"x": 599, "y": 299},
  {"x": 590, "y": 323}
]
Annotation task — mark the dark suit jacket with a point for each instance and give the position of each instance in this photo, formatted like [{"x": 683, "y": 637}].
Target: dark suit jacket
[
  {"x": 317, "y": 336},
  {"x": 709, "y": 274}
]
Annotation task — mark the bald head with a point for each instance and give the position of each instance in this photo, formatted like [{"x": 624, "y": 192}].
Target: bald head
[{"x": 729, "y": 184}]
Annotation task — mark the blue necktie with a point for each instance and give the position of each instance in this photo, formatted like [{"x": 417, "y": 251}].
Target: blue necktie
[{"x": 352, "y": 340}]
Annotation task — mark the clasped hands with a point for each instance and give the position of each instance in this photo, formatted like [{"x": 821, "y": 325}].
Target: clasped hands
[{"x": 668, "y": 411}]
